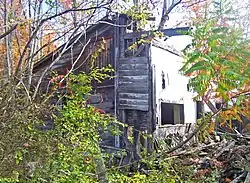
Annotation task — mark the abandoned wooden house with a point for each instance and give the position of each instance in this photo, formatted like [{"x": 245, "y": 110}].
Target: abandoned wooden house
[{"x": 148, "y": 92}]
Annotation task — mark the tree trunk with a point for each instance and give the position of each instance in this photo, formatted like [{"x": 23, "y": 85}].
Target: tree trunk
[
  {"x": 34, "y": 44},
  {"x": 74, "y": 13},
  {"x": 100, "y": 168},
  {"x": 165, "y": 12},
  {"x": 8, "y": 64}
]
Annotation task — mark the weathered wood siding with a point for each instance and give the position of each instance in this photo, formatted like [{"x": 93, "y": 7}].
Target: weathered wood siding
[
  {"x": 133, "y": 83},
  {"x": 97, "y": 54}
]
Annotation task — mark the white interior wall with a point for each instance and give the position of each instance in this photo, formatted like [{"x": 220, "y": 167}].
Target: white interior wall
[{"x": 176, "y": 84}]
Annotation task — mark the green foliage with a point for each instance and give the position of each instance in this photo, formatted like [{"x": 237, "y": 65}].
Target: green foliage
[
  {"x": 157, "y": 173},
  {"x": 138, "y": 13},
  {"x": 21, "y": 143},
  {"x": 70, "y": 152},
  {"x": 217, "y": 62},
  {"x": 67, "y": 153},
  {"x": 77, "y": 132},
  {"x": 164, "y": 170},
  {"x": 8, "y": 180}
]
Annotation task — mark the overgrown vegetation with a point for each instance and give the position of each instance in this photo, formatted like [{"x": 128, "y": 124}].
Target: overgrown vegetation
[
  {"x": 69, "y": 151},
  {"x": 217, "y": 62}
]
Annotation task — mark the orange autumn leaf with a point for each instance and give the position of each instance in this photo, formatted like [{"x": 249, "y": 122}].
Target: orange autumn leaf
[
  {"x": 227, "y": 180},
  {"x": 211, "y": 128},
  {"x": 19, "y": 39}
]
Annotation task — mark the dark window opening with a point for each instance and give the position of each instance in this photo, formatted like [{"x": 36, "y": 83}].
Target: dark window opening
[
  {"x": 172, "y": 113},
  {"x": 163, "y": 80},
  {"x": 163, "y": 83},
  {"x": 218, "y": 105},
  {"x": 199, "y": 109}
]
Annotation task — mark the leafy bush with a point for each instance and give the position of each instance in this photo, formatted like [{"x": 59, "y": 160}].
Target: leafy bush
[{"x": 68, "y": 153}]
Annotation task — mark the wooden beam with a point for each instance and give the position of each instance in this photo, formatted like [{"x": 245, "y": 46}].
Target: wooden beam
[
  {"x": 133, "y": 72},
  {"x": 133, "y": 96},
  {"x": 127, "y": 66},
  {"x": 134, "y": 60},
  {"x": 132, "y": 35},
  {"x": 133, "y": 107}
]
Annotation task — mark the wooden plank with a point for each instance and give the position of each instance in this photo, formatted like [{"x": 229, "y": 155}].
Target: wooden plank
[
  {"x": 132, "y": 85},
  {"x": 70, "y": 59},
  {"x": 133, "y": 72},
  {"x": 141, "y": 78},
  {"x": 133, "y": 96},
  {"x": 69, "y": 55},
  {"x": 132, "y": 101},
  {"x": 122, "y": 31},
  {"x": 133, "y": 60},
  {"x": 132, "y": 66},
  {"x": 66, "y": 60},
  {"x": 61, "y": 65},
  {"x": 126, "y": 89},
  {"x": 133, "y": 107}
]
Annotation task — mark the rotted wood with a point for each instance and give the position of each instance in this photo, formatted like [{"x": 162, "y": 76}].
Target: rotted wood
[
  {"x": 136, "y": 84},
  {"x": 133, "y": 102},
  {"x": 122, "y": 21},
  {"x": 134, "y": 107},
  {"x": 133, "y": 96},
  {"x": 132, "y": 88},
  {"x": 133, "y": 91},
  {"x": 139, "y": 90},
  {"x": 134, "y": 79},
  {"x": 134, "y": 72},
  {"x": 127, "y": 66},
  {"x": 141, "y": 78},
  {"x": 134, "y": 60}
]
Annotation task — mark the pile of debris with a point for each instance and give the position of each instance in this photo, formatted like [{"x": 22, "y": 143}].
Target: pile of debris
[{"x": 229, "y": 153}]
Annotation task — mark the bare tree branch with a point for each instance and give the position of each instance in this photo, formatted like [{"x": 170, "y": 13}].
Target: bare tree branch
[
  {"x": 166, "y": 11},
  {"x": 20, "y": 61},
  {"x": 9, "y": 31},
  {"x": 67, "y": 46}
]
